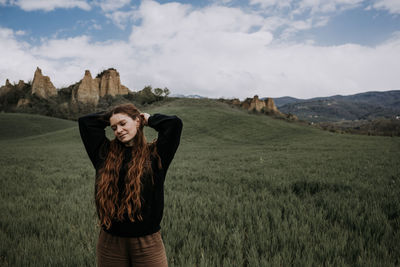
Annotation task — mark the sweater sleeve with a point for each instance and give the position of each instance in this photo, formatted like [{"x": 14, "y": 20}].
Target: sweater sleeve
[
  {"x": 169, "y": 130},
  {"x": 92, "y": 130}
]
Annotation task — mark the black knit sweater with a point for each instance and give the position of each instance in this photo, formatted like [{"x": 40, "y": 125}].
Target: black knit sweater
[{"x": 169, "y": 128}]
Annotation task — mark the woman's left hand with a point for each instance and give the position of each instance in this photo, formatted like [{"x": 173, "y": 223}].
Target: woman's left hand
[{"x": 145, "y": 117}]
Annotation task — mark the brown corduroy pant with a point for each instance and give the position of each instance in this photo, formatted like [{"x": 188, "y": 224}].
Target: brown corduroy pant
[{"x": 143, "y": 251}]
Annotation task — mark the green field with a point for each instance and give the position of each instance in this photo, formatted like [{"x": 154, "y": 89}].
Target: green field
[{"x": 243, "y": 190}]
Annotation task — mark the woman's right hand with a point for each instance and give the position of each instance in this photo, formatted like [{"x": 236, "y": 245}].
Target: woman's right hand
[{"x": 145, "y": 117}]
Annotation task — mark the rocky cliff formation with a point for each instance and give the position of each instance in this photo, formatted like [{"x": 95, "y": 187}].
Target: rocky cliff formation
[
  {"x": 42, "y": 86},
  {"x": 110, "y": 84},
  {"x": 89, "y": 90},
  {"x": 6, "y": 88},
  {"x": 255, "y": 104},
  {"x": 258, "y": 105},
  {"x": 23, "y": 102},
  {"x": 21, "y": 84},
  {"x": 270, "y": 105},
  {"x": 82, "y": 96}
]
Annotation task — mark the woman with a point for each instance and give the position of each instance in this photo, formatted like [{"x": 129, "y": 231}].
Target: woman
[{"x": 130, "y": 176}]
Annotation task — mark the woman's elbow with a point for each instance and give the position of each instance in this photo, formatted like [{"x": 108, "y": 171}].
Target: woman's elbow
[{"x": 178, "y": 124}]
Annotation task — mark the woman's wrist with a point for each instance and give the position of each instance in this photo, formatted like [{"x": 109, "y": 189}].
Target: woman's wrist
[{"x": 145, "y": 117}]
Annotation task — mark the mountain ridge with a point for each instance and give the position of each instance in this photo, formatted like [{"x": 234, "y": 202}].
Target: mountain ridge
[{"x": 361, "y": 106}]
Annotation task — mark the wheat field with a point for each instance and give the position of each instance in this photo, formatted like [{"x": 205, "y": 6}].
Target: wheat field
[{"x": 243, "y": 190}]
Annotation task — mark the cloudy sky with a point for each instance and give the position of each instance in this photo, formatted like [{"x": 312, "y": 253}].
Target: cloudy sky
[{"x": 213, "y": 48}]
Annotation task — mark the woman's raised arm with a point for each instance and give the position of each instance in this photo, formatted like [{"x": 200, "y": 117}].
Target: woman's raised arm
[
  {"x": 169, "y": 130},
  {"x": 92, "y": 130}
]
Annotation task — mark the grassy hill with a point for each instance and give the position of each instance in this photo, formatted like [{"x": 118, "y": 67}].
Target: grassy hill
[
  {"x": 243, "y": 190},
  {"x": 14, "y": 125}
]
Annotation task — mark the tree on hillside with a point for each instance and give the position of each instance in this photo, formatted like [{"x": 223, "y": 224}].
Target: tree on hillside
[
  {"x": 166, "y": 91},
  {"x": 146, "y": 96},
  {"x": 158, "y": 92},
  {"x": 104, "y": 71}
]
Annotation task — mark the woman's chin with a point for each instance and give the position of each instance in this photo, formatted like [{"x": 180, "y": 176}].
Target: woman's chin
[
  {"x": 127, "y": 142},
  {"x": 122, "y": 140}
]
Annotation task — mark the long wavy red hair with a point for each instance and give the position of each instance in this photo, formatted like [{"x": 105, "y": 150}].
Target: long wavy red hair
[{"x": 110, "y": 204}]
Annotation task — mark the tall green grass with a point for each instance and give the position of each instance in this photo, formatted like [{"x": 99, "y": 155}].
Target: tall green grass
[{"x": 243, "y": 190}]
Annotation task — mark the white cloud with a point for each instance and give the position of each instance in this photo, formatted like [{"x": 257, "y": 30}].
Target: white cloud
[
  {"x": 393, "y": 6},
  {"x": 112, "y": 9},
  {"x": 49, "y": 5},
  {"x": 323, "y": 6},
  {"x": 299, "y": 15},
  {"x": 121, "y": 18},
  {"x": 271, "y": 3},
  {"x": 224, "y": 2},
  {"x": 20, "y": 33},
  {"x": 301, "y": 6},
  {"x": 173, "y": 20},
  {"x": 16, "y": 60},
  {"x": 96, "y": 26},
  {"x": 112, "y": 5},
  {"x": 213, "y": 51}
]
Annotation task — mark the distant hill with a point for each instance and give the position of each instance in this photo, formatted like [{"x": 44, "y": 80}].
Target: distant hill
[
  {"x": 363, "y": 106},
  {"x": 187, "y": 96},
  {"x": 281, "y": 101}
]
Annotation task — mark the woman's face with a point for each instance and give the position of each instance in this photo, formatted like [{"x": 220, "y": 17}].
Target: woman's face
[{"x": 124, "y": 127}]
